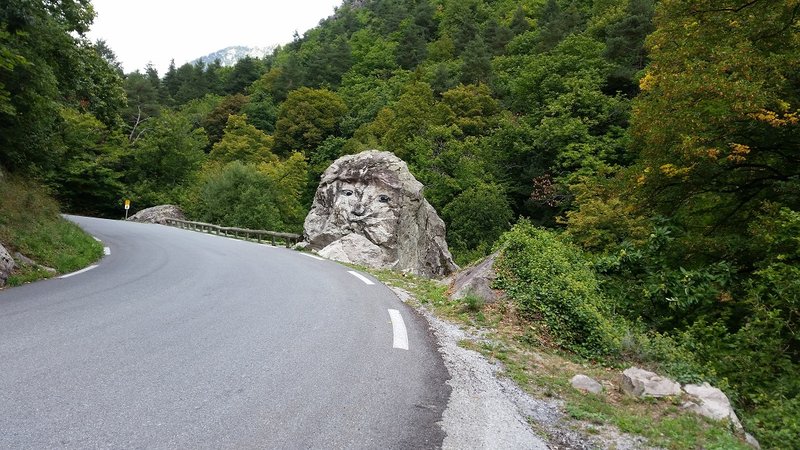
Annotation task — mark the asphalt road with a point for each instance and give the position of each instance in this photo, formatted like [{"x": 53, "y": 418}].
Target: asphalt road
[{"x": 179, "y": 339}]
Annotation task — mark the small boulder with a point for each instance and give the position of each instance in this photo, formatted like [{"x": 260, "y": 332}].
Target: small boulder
[
  {"x": 584, "y": 383},
  {"x": 752, "y": 441},
  {"x": 477, "y": 280},
  {"x": 158, "y": 214},
  {"x": 642, "y": 383},
  {"x": 7, "y": 264},
  {"x": 25, "y": 261},
  {"x": 711, "y": 402}
]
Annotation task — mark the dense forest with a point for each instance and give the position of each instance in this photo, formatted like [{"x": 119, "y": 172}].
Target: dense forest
[{"x": 654, "y": 146}]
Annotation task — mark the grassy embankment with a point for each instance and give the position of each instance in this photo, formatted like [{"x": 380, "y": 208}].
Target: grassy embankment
[
  {"x": 30, "y": 223},
  {"x": 543, "y": 369}
]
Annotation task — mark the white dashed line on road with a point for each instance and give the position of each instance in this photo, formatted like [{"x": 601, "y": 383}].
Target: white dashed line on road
[
  {"x": 360, "y": 277},
  {"x": 315, "y": 257},
  {"x": 97, "y": 239},
  {"x": 400, "y": 337},
  {"x": 79, "y": 271}
]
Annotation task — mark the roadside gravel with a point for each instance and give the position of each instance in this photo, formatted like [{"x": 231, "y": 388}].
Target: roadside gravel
[{"x": 487, "y": 410}]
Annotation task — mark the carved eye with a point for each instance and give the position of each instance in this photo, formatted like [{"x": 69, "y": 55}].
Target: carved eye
[
  {"x": 347, "y": 192},
  {"x": 383, "y": 198}
]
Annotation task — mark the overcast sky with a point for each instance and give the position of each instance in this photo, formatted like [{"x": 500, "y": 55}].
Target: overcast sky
[{"x": 159, "y": 30}]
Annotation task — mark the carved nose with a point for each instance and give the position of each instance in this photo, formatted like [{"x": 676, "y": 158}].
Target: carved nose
[{"x": 358, "y": 210}]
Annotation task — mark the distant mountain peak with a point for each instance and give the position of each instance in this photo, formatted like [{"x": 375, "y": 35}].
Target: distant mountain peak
[{"x": 228, "y": 56}]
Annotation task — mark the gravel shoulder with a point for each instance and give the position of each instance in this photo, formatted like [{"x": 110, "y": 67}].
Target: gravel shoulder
[{"x": 488, "y": 410}]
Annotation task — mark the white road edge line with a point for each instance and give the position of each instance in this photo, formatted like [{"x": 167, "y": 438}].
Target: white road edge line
[
  {"x": 106, "y": 251},
  {"x": 97, "y": 239},
  {"x": 360, "y": 277},
  {"x": 315, "y": 257},
  {"x": 79, "y": 271},
  {"x": 400, "y": 337}
]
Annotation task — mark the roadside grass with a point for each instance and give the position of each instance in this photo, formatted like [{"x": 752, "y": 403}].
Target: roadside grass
[
  {"x": 30, "y": 223},
  {"x": 543, "y": 370}
]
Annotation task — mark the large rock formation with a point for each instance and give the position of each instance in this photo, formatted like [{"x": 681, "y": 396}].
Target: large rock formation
[
  {"x": 369, "y": 210},
  {"x": 158, "y": 214},
  {"x": 7, "y": 264}
]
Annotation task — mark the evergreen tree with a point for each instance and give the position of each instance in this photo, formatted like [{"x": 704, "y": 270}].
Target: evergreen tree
[
  {"x": 476, "y": 64},
  {"x": 519, "y": 22},
  {"x": 411, "y": 50},
  {"x": 244, "y": 73},
  {"x": 213, "y": 81},
  {"x": 556, "y": 23},
  {"x": 496, "y": 36},
  {"x": 143, "y": 102},
  {"x": 170, "y": 81},
  {"x": 625, "y": 44}
]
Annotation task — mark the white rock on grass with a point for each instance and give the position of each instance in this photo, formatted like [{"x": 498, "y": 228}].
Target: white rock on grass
[
  {"x": 642, "y": 383},
  {"x": 711, "y": 402},
  {"x": 585, "y": 383}
]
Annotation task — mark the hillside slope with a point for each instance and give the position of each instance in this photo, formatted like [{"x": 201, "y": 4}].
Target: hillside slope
[{"x": 30, "y": 223}]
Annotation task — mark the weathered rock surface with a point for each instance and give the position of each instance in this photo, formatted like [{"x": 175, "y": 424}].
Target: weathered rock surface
[
  {"x": 585, "y": 383},
  {"x": 752, "y": 441},
  {"x": 158, "y": 214},
  {"x": 643, "y": 383},
  {"x": 477, "y": 280},
  {"x": 7, "y": 264},
  {"x": 711, "y": 402},
  {"x": 369, "y": 209},
  {"x": 356, "y": 249},
  {"x": 25, "y": 261}
]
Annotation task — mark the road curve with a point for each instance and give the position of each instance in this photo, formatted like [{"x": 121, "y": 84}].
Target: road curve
[{"x": 179, "y": 339}]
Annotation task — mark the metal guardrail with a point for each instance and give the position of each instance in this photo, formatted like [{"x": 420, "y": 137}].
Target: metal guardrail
[{"x": 288, "y": 239}]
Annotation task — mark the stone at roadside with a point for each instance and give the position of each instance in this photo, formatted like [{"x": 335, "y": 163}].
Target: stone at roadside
[
  {"x": 300, "y": 246},
  {"x": 711, "y": 402},
  {"x": 158, "y": 214},
  {"x": 25, "y": 261},
  {"x": 642, "y": 383},
  {"x": 476, "y": 280},
  {"x": 369, "y": 210},
  {"x": 585, "y": 383},
  {"x": 752, "y": 441},
  {"x": 7, "y": 264}
]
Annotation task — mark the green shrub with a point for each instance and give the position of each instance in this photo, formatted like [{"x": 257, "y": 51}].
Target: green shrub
[
  {"x": 266, "y": 196},
  {"x": 551, "y": 280},
  {"x": 239, "y": 195},
  {"x": 472, "y": 303}
]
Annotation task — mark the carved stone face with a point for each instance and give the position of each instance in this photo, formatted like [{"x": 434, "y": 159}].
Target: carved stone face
[{"x": 369, "y": 208}]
